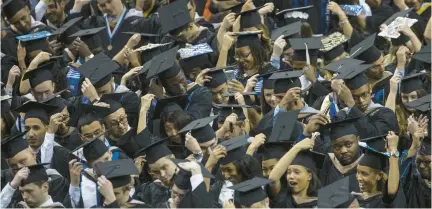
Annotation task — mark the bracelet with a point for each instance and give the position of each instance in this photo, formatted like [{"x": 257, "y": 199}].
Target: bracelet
[{"x": 95, "y": 100}]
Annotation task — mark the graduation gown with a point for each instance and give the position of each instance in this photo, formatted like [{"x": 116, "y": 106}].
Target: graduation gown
[
  {"x": 330, "y": 174},
  {"x": 285, "y": 200},
  {"x": 418, "y": 195},
  {"x": 152, "y": 193},
  {"x": 71, "y": 141},
  {"x": 59, "y": 161},
  {"x": 197, "y": 198},
  {"x": 200, "y": 102},
  {"x": 132, "y": 203},
  {"x": 383, "y": 200}
]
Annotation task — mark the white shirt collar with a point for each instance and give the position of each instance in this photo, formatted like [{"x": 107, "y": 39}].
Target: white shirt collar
[{"x": 47, "y": 203}]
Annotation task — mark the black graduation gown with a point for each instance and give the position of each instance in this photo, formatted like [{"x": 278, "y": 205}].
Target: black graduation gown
[
  {"x": 418, "y": 195},
  {"x": 71, "y": 141},
  {"x": 200, "y": 102},
  {"x": 7, "y": 61},
  {"x": 59, "y": 161},
  {"x": 329, "y": 174},
  {"x": 198, "y": 198},
  {"x": 285, "y": 200},
  {"x": 58, "y": 189},
  {"x": 152, "y": 193},
  {"x": 384, "y": 200}
]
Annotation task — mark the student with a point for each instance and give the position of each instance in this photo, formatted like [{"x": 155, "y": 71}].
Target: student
[{"x": 250, "y": 193}]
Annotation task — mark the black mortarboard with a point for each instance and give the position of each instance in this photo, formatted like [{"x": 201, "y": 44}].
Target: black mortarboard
[
  {"x": 200, "y": 129},
  {"x": 67, "y": 29},
  {"x": 155, "y": 150},
  {"x": 286, "y": 80},
  {"x": 36, "y": 41},
  {"x": 170, "y": 104},
  {"x": 355, "y": 77},
  {"x": 131, "y": 142},
  {"x": 114, "y": 100},
  {"x": 93, "y": 149},
  {"x": 13, "y": 145},
  {"x": 37, "y": 173},
  {"x": 89, "y": 36},
  {"x": 57, "y": 101},
  {"x": 235, "y": 9},
  {"x": 365, "y": 49},
  {"x": 142, "y": 34},
  {"x": 247, "y": 38},
  {"x": 333, "y": 46},
  {"x": 286, "y": 31},
  {"x": 249, "y": 19},
  {"x": 291, "y": 15},
  {"x": 227, "y": 109},
  {"x": 182, "y": 178},
  {"x": 274, "y": 150},
  {"x": 37, "y": 110},
  {"x": 218, "y": 78},
  {"x": 267, "y": 83},
  {"x": 399, "y": 41},
  {"x": 5, "y": 105},
  {"x": 118, "y": 172},
  {"x": 284, "y": 126},
  {"x": 85, "y": 114},
  {"x": 374, "y": 156},
  {"x": 164, "y": 65},
  {"x": 336, "y": 195},
  {"x": 251, "y": 191},
  {"x": 299, "y": 46},
  {"x": 396, "y": 15},
  {"x": 422, "y": 104},
  {"x": 40, "y": 74},
  {"x": 424, "y": 54},
  {"x": 98, "y": 69},
  {"x": 174, "y": 16},
  {"x": 342, "y": 128},
  {"x": 342, "y": 65},
  {"x": 11, "y": 7},
  {"x": 235, "y": 149},
  {"x": 309, "y": 159},
  {"x": 412, "y": 82},
  {"x": 195, "y": 57}
]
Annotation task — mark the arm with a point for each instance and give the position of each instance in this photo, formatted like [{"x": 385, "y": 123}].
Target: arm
[
  {"x": 413, "y": 38},
  {"x": 146, "y": 102},
  {"x": 391, "y": 99},
  {"x": 227, "y": 23},
  {"x": 428, "y": 33},
  {"x": 393, "y": 179},
  {"x": 75, "y": 195},
  {"x": 40, "y": 9},
  {"x": 343, "y": 19},
  {"x": 6, "y": 195}
]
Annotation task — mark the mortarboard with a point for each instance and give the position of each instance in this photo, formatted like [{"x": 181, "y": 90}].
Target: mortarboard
[
  {"x": 174, "y": 16},
  {"x": 284, "y": 126},
  {"x": 309, "y": 159},
  {"x": 333, "y": 46},
  {"x": 235, "y": 149},
  {"x": 412, "y": 82},
  {"x": 422, "y": 104},
  {"x": 67, "y": 29},
  {"x": 37, "y": 110},
  {"x": 251, "y": 191},
  {"x": 155, "y": 150},
  {"x": 403, "y": 13},
  {"x": 11, "y": 7},
  {"x": 131, "y": 143},
  {"x": 170, "y": 104},
  {"x": 294, "y": 14},
  {"x": 286, "y": 80},
  {"x": 196, "y": 56},
  {"x": 89, "y": 36},
  {"x": 249, "y": 19},
  {"x": 351, "y": 10},
  {"x": 85, "y": 114},
  {"x": 301, "y": 45},
  {"x": 342, "y": 128},
  {"x": 336, "y": 195},
  {"x": 286, "y": 31},
  {"x": 164, "y": 65},
  {"x": 424, "y": 54},
  {"x": 274, "y": 150},
  {"x": 235, "y": 9},
  {"x": 264, "y": 78},
  {"x": 342, "y": 65},
  {"x": 375, "y": 160},
  {"x": 13, "y": 145},
  {"x": 35, "y": 41},
  {"x": 365, "y": 49},
  {"x": 218, "y": 78},
  {"x": 355, "y": 77},
  {"x": 114, "y": 100},
  {"x": 40, "y": 74},
  {"x": 200, "y": 129},
  {"x": 399, "y": 41},
  {"x": 93, "y": 149},
  {"x": 37, "y": 174},
  {"x": 182, "y": 178},
  {"x": 99, "y": 69},
  {"x": 227, "y": 109},
  {"x": 247, "y": 38},
  {"x": 118, "y": 172},
  {"x": 57, "y": 101}
]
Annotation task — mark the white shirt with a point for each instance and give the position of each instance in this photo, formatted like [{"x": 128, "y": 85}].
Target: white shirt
[{"x": 226, "y": 194}]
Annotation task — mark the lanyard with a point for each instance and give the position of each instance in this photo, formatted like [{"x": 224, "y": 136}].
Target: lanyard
[{"x": 119, "y": 22}]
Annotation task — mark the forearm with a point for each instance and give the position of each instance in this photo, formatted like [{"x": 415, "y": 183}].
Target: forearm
[
  {"x": 135, "y": 60},
  {"x": 75, "y": 195},
  {"x": 346, "y": 26},
  {"x": 415, "y": 41},
  {"x": 428, "y": 33},
  {"x": 393, "y": 180},
  {"x": 391, "y": 101},
  {"x": 24, "y": 87},
  {"x": 222, "y": 60},
  {"x": 219, "y": 36},
  {"x": 120, "y": 57},
  {"x": 220, "y": 133},
  {"x": 142, "y": 121},
  {"x": 22, "y": 65},
  {"x": 282, "y": 165},
  {"x": 6, "y": 195}
]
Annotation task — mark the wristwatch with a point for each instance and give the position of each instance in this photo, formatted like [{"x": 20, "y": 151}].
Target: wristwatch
[
  {"x": 394, "y": 153},
  {"x": 198, "y": 156}
]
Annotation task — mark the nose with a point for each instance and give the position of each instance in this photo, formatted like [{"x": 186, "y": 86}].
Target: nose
[
  {"x": 343, "y": 150},
  {"x": 290, "y": 176},
  {"x": 273, "y": 99},
  {"x": 219, "y": 97},
  {"x": 162, "y": 173}
]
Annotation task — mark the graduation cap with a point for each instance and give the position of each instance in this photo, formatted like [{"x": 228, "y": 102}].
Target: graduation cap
[
  {"x": 170, "y": 104},
  {"x": 35, "y": 41},
  {"x": 196, "y": 56},
  {"x": 365, "y": 50},
  {"x": 250, "y": 18},
  {"x": 40, "y": 74},
  {"x": 155, "y": 150},
  {"x": 356, "y": 77},
  {"x": 343, "y": 65},
  {"x": 131, "y": 142},
  {"x": 294, "y": 14},
  {"x": 89, "y": 36},
  {"x": 37, "y": 110},
  {"x": 174, "y": 17},
  {"x": 182, "y": 178},
  {"x": 266, "y": 82},
  {"x": 57, "y": 101},
  {"x": 93, "y": 149},
  {"x": 424, "y": 54},
  {"x": 351, "y": 10},
  {"x": 284, "y": 126},
  {"x": 403, "y": 13},
  {"x": 11, "y": 7},
  {"x": 200, "y": 129},
  {"x": 235, "y": 149},
  {"x": 333, "y": 46},
  {"x": 227, "y": 109},
  {"x": 13, "y": 145},
  {"x": 286, "y": 80},
  {"x": 118, "y": 172},
  {"x": 114, "y": 100},
  {"x": 286, "y": 31},
  {"x": 302, "y": 45},
  {"x": 422, "y": 104},
  {"x": 37, "y": 174},
  {"x": 309, "y": 159},
  {"x": 247, "y": 38},
  {"x": 235, "y": 9},
  {"x": 336, "y": 195},
  {"x": 251, "y": 191},
  {"x": 412, "y": 82},
  {"x": 85, "y": 114},
  {"x": 374, "y": 157},
  {"x": 99, "y": 69},
  {"x": 218, "y": 78},
  {"x": 67, "y": 29},
  {"x": 164, "y": 65},
  {"x": 274, "y": 150},
  {"x": 342, "y": 128}
]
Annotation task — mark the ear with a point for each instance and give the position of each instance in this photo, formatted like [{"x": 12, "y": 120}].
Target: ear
[
  {"x": 309, "y": 176},
  {"x": 379, "y": 176},
  {"x": 45, "y": 187}
]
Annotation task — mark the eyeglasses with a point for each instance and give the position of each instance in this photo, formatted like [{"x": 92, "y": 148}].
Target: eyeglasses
[
  {"x": 116, "y": 123},
  {"x": 242, "y": 57}
]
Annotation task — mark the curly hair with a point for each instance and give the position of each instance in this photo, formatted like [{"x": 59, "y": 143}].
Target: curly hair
[{"x": 248, "y": 167}]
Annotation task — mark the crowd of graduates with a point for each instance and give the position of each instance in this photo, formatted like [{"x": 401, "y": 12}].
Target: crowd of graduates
[{"x": 215, "y": 104}]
